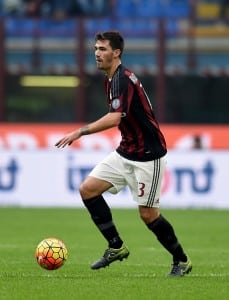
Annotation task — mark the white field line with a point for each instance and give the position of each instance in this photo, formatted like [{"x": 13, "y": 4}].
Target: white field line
[{"x": 126, "y": 275}]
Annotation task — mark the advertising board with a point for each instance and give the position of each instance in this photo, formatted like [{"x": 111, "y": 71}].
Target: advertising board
[
  {"x": 44, "y": 178},
  {"x": 35, "y": 136}
]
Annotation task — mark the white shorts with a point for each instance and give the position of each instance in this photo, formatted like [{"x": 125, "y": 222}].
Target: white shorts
[{"x": 143, "y": 178}]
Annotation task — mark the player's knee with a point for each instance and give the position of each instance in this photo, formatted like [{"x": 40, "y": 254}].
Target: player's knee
[
  {"x": 146, "y": 218},
  {"x": 85, "y": 191},
  {"x": 148, "y": 215}
]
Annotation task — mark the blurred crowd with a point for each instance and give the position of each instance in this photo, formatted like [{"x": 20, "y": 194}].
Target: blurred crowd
[
  {"x": 68, "y": 8},
  {"x": 53, "y": 8},
  {"x": 224, "y": 10}
]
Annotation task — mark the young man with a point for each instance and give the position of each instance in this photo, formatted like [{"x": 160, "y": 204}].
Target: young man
[{"x": 139, "y": 161}]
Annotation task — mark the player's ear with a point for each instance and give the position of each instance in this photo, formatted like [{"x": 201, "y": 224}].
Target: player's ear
[{"x": 117, "y": 52}]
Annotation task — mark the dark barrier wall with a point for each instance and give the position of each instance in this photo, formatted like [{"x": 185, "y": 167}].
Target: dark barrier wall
[{"x": 189, "y": 99}]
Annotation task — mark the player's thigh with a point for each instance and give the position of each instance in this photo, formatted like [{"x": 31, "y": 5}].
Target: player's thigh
[
  {"x": 147, "y": 189},
  {"x": 111, "y": 170},
  {"x": 93, "y": 186}
]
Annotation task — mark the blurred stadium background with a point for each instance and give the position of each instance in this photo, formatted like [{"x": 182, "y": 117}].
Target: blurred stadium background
[{"x": 49, "y": 84}]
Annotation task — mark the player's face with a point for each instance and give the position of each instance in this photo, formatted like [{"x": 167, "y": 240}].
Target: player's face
[{"x": 105, "y": 56}]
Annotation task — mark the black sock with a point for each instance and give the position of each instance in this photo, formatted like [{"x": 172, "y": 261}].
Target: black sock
[
  {"x": 166, "y": 236},
  {"x": 102, "y": 217}
]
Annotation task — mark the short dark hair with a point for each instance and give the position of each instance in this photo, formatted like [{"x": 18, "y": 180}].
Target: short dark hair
[{"x": 114, "y": 37}]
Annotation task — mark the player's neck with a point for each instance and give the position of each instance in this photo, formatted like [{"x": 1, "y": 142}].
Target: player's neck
[{"x": 112, "y": 70}]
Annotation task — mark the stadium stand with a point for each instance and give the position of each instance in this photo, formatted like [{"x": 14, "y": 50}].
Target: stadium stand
[{"x": 136, "y": 19}]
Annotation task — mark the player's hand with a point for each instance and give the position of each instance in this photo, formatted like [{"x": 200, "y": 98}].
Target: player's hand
[{"x": 68, "y": 139}]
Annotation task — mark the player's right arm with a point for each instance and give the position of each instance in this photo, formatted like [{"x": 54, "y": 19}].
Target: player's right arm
[{"x": 107, "y": 121}]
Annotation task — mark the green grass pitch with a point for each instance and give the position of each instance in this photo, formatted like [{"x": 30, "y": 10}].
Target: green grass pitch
[{"x": 203, "y": 233}]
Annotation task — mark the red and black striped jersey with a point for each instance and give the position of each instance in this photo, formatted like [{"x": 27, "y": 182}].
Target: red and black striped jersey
[{"x": 142, "y": 139}]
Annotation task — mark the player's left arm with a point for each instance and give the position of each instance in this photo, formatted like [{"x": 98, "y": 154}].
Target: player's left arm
[{"x": 111, "y": 119}]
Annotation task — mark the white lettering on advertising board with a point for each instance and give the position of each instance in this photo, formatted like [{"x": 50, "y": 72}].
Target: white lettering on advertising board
[{"x": 52, "y": 178}]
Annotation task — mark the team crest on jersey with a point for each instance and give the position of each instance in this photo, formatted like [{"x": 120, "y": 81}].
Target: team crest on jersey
[
  {"x": 133, "y": 78},
  {"x": 115, "y": 103}
]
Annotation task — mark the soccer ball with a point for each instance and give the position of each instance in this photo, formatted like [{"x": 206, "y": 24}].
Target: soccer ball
[{"x": 51, "y": 253}]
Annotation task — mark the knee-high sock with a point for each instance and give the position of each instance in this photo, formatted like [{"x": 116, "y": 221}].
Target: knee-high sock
[
  {"x": 166, "y": 236},
  {"x": 102, "y": 217}
]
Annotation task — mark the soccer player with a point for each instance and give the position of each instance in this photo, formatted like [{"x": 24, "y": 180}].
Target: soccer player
[{"x": 138, "y": 162}]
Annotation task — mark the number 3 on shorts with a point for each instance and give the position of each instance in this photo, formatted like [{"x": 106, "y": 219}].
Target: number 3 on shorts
[{"x": 141, "y": 186}]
